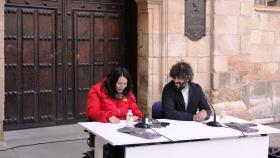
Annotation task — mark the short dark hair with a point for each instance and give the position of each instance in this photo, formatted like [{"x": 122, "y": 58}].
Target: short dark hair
[
  {"x": 182, "y": 70},
  {"x": 112, "y": 78}
]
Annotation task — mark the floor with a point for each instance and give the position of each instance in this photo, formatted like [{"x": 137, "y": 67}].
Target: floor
[{"x": 67, "y": 141}]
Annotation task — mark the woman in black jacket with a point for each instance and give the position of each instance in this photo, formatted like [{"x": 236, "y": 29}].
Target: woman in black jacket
[{"x": 183, "y": 99}]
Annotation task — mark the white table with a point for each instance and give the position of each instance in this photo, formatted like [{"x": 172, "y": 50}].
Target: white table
[{"x": 189, "y": 139}]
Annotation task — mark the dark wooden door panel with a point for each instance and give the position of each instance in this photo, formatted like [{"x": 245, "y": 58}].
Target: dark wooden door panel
[
  {"x": 115, "y": 36},
  {"x": 28, "y": 64},
  {"x": 33, "y": 2},
  {"x": 12, "y": 67},
  {"x": 83, "y": 52},
  {"x": 46, "y": 62},
  {"x": 30, "y": 39},
  {"x": 60, "y": 69},
  {"x": 99, "y": 45}
]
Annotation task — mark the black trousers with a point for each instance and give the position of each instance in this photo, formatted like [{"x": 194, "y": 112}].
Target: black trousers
[{"x": 110, "y": 151}]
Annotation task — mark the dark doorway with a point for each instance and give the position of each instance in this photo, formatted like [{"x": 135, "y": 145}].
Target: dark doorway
[
  {"x": 56, "y": 49},
  {"x": 131, "y": 40}
]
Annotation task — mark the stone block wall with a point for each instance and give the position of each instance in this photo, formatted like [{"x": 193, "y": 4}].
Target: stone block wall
[
  {"x": 181, "y": 48},
  {"x": 162, "y": 43},
  {"x": 246, "y": 58},
  {"x": 237, "y": 62},
  {"x": 264, "y": 51}
]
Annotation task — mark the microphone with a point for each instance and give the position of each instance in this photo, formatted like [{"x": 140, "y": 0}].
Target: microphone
[
  {"x": 144, "y": 122},
  {"x": 213, "y": 123}
]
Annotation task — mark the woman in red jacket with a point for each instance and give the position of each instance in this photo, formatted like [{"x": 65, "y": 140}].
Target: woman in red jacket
[{"x": 111, "y": 98}]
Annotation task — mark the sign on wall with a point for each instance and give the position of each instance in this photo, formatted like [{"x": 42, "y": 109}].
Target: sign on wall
[{"x": 195, "y": 19}]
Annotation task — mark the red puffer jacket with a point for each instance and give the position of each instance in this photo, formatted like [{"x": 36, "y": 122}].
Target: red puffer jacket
[{"x": 100, "y": 107}]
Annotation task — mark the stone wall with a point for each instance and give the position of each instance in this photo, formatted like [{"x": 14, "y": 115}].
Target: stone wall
[
  {"x": 263, "y": 47},
  {"x": 182, "y": 48},
  {"x": 162, "y": 43},
  {"x": 237, "y": 62},
  {"x": 247, "y": 58},
  {"x": 2, "y": 74}
]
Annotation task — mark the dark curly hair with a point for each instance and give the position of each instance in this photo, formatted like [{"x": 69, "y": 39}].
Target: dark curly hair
[
  {"x": 182, "y": 70},
  {"x": 112, "y": 78}
]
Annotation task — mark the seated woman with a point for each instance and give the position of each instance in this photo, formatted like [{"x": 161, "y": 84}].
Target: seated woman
[{"x": 111, "y": 98}]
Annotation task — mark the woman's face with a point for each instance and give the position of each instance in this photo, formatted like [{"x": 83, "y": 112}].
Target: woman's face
[{"x": 121, "y": 84}]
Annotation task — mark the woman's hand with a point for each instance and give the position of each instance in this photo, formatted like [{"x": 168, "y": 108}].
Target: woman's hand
[
  {"x": 114, "y": 120},
  {"x": 135, "y": 118}
]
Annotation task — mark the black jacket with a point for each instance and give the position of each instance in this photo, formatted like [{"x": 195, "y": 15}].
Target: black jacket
[{"x": 173, "y": 104}]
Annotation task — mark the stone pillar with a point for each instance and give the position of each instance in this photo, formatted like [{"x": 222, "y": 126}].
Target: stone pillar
[
  {"x": 152, "y": 51},
  {"x": 2, "y": 72}
]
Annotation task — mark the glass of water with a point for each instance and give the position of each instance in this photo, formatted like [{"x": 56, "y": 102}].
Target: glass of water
[{"x": 223, "y": 114}]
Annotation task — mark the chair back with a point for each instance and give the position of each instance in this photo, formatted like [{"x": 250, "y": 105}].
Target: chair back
[{"x": 156, "y": 110}]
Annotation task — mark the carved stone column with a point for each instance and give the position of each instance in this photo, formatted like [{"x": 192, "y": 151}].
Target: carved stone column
[{"x": 152, "y": 51}]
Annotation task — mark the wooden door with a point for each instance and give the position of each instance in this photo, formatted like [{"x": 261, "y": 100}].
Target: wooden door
[
  {"x": 54, "y": 51},
  {"x": 30, "y": 47},
  {"x": 97, "y": 47}
]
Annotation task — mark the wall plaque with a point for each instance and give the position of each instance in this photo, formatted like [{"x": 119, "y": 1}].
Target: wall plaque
[{"x": 195, "y": 19}]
